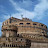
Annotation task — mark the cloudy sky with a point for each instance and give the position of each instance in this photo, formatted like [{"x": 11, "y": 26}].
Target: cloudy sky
[{"x": 37, "y": 10}]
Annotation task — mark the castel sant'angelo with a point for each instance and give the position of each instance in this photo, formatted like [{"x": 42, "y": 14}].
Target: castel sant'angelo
[{"x": 23, "y": 33}]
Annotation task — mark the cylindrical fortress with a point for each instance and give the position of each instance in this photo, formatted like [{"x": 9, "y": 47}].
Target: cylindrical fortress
[
  {"x": 9, "y": 30},
  {"x": 32, "y": 28},
  {"x": 27, "y": 31}
]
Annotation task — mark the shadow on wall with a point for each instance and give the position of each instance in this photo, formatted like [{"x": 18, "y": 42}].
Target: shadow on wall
[{"x": 47, "y": 32}]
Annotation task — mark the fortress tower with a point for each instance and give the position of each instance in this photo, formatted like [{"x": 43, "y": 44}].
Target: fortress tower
[{"x": 23, "y": 33}]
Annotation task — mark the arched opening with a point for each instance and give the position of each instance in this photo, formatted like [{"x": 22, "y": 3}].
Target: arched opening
[
  {"x": 21, "y": 24},
  {"x": 21, "y": 39},
  {"x": 10, "y": 45},
  {"x": 18, "y": 35},
  {"x": 34, "y": 24},
  {"x": 14, "y": 45},
  {"x": 6, "y": 45},
  {"x": 16, "y": 39},
  {"x": 27, "y": 23}
]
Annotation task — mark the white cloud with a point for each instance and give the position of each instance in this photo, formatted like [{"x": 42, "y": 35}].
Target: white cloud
[
  {"x": 25, "y": 3},
  {"x": 41, "y": 7},
  {"x": 38, "y": 12}
]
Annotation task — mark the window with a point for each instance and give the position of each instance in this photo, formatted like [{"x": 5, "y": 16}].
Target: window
[
  {"x": 21, "y": 24},
  {"x": 6, "y": 45},
  {"x": 28, "y": 23},
  {"x": 6, "y": 38},
  {"x": 18, "y": 35},
  {"x": 34, "y": 24},
  {"x": 7, "y": 21},
  {"x": 42, "y": 25},
  {"x": 16, "y": 39},
  {"x": 42, "y": 32},
  {"x": 46, "y": 26},
  {"x": 14, "y": 45},
  {"x": 21, "y": 39},
  {"x": 10, "y": 45}
]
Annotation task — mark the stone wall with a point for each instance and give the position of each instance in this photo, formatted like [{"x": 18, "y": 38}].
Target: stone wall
[
  {"x": 9, "y": 47},
  {"x": 39, "y": 45},
  {"x": 14, "y": 47},
  {"x": 29, "y": 27}
]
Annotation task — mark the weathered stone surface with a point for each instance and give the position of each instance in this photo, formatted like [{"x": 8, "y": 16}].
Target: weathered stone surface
[{"x": 23, "y": 33}]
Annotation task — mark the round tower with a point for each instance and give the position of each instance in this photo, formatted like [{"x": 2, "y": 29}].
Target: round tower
[{"x": 9, "y": 30}]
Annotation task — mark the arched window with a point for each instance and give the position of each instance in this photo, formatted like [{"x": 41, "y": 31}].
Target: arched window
[
  {"x": 27, "y": 23},
  {"x": 42, "y": 25},
  {"x": 16, "y": 39},
  {"x": 10, "y": 45},
  {"x": 6, "y": 45},
  {"x": 42, "y": 32},
  {"x": 14, "y": 45},
  {"x": 18, "y": 35},
  {"x": 21, "y": 24},
  {"x": 46, "y": 26},
  {"x": 6, "y": 38},
  {"x": 34, "y": 24},
  {"x": 21, "y": 39}
]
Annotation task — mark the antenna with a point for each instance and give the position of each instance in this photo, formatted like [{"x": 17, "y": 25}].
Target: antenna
[
  {"x": 10, "y": 15},
  {"x": 10, "y": 18},
  {"x": 21, "y": 16}
]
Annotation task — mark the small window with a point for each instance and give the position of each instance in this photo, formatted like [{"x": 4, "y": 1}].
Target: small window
[
  {"x": 10, "y": 45},
  {"x": 28, "y": 23},
  {"x": 6, "y": 38},
  {"x": 16, "y": 39},
  {"x": 42, "y": 32},
  {"x": 21, "y": 24},
  {"x": 14, "y": 45},
  {"x": 18, "y": 35},
  {"x": 21, "y": 39},
  {"x": 46, "y": 26},
  {"x": 42, "y": 25},
  {"x": 34, "y": 24},
  {"x": 6, "y": 45}
]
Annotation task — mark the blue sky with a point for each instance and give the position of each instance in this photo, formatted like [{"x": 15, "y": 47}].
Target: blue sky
[{"x": 37, "y": 10}]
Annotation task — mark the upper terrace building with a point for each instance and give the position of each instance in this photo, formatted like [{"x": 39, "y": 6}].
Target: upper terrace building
[{"x": 23, "y": 33}]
